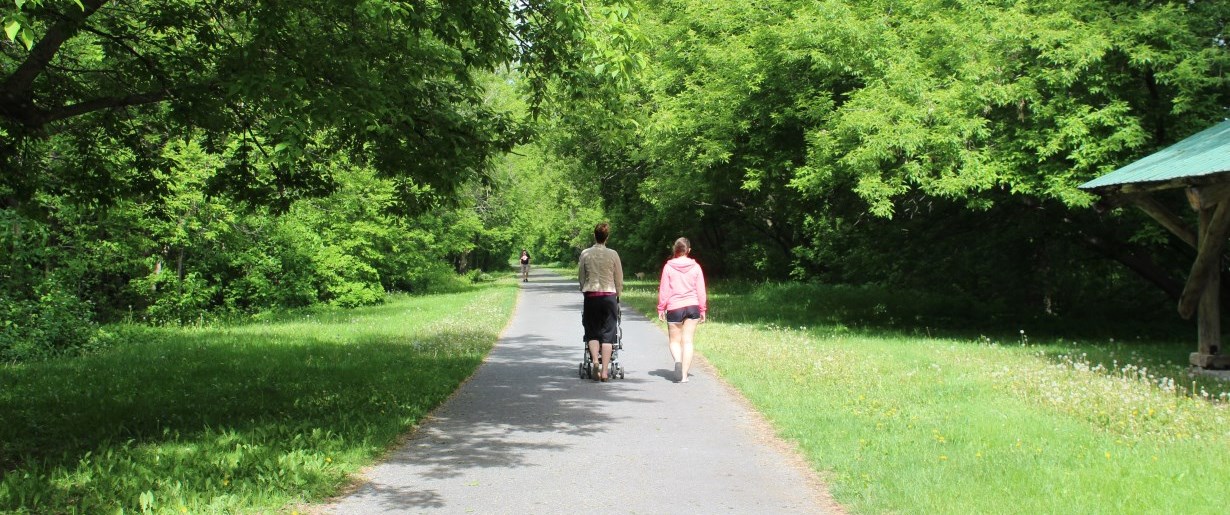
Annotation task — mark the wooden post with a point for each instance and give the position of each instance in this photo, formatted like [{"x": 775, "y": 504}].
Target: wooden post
[
  {"x": 1208, "y": 315},
  {"x": 1213, "y": 232}
]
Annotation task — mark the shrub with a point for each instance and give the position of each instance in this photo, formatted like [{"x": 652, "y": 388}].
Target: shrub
[
  {"x": 479, "y": 276},
  {"x": 438, "y": 278},
  {"x": 347, "y": 280},
  {"x": 54, "y": 323},
  {"x": 176, "y": 301}
]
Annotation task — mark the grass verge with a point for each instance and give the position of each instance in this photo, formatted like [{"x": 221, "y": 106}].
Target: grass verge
[
  {"x": 238, "y": 418},
  {"x": 903, "y": 422}
]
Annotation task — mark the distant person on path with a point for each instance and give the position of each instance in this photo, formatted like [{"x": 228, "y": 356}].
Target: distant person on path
[
  {"x": 682, "y": 303},
  {"x": 525, "y": 266},
  {"x": 602, "y": 280}
]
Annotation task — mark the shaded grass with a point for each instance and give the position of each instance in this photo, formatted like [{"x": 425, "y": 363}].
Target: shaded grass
[
  {"x": 875, "y": 309},
  {"x": 236, "y": 418},
  {"x": 1010, "y": 423}
]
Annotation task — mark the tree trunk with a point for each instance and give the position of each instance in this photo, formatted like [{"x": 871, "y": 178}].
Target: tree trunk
[
  {"x": 179, "y": 270},
  {"x": 1136, "y": 262}
]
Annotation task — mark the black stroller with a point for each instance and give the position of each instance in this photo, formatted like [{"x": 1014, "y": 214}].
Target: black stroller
[{"x": 587, "y": 370}]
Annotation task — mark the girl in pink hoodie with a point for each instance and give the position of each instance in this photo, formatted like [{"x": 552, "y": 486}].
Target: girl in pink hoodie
[{"x": 682, "y": 304}]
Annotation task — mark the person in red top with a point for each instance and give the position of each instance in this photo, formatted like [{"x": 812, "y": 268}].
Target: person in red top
[{"x": 682, "y": 303}]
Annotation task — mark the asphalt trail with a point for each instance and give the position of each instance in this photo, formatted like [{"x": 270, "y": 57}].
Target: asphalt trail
[{"x": 526, "y": 435}]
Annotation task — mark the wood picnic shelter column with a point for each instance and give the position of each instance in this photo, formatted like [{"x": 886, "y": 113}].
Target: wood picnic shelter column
[{"x": 1202, "y": 293}]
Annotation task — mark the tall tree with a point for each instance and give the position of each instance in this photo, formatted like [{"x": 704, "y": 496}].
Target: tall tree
[
  {"x": 388, "y": 80},
  {"x": 817, "y": 138}
]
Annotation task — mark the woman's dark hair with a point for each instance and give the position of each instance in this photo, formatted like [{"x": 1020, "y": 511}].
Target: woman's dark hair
[
  {"x": 682, "y": 245},
  {"x": 601, "y": 232}
]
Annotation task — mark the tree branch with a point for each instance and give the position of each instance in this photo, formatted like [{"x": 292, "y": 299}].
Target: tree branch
[
  {"x": 102, "y": 103},
  {"x": 1141, "y": 264},
  {"x": 19, "y": 83}
]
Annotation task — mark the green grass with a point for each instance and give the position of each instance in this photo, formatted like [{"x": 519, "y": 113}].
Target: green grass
[
  {"x": 909, "y": 404},
  {"x": 969, "y": 419},
  {"x": 239, "y": 418}
]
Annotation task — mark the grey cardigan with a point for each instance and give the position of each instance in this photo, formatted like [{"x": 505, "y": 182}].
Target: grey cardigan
[{"x": 599, "y": 269}]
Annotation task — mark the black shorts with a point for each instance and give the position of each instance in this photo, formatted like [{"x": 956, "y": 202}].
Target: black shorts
[
  {"x": 677, "y": 316},
  {"x": 600, "y": 317}
]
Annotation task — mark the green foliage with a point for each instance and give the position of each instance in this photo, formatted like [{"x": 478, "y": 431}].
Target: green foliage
[
  {"x": 347, "y": 281},
  {"x": 175, "y": 161},
  {"x": 54, "y": 323},
  {"x": 545, "y": 211},
  {"x": 176, "y": 300},
  {"x": 287, "y": 83},
  {"x": 275, "y": 269},
  {"x": 928, "y": 144},
  {"x": 186, "y": 254}
]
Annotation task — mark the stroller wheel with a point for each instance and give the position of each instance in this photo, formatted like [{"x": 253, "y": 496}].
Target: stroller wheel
[{"x": 581, "y": 370}]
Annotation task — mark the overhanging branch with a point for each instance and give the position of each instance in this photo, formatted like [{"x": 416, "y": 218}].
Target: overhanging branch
[
  {"x": 18, "y": 84},
  {"x": 104, "y": 103}
]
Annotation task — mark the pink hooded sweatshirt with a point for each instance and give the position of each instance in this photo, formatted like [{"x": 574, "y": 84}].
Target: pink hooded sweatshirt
[{"x": 683, "y": 284}]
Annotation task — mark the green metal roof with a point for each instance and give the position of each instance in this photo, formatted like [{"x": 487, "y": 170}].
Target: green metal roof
[{"x": 1204, "y": 153}]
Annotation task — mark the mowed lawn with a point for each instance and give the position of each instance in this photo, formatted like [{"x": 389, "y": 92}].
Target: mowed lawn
[
  {"x": 257, "y": 417},
  {"x": 898, "y": 419}
]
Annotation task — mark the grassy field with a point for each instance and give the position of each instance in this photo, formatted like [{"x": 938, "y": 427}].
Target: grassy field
[
  {"x": 906, "y": 407},
  {"x": 242, "y": 418},
  {"x": 906, "y": 404}
]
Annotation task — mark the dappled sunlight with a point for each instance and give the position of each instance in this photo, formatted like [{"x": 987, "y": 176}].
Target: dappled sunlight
[{"x": 263, "y": 409}]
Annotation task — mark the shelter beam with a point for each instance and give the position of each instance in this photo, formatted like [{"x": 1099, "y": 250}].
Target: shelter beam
[
  {"x": 1167, "y": 218},
  {"x": 1213, "y": 232},
  {"x": 1206, "y": 197}
]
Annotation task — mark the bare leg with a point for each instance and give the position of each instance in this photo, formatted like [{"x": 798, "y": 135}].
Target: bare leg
[
  {"x": 593, "y": 354},
  {"x": 675, "y": 333},
  {"x": 688, "y": 330},
  {"x": 606, "y": 360}
]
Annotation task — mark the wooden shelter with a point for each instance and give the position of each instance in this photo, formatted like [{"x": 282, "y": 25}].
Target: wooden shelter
[{"x": 1200, "y": 165}]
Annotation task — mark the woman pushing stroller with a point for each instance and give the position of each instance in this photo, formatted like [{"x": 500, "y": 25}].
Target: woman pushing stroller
[{"x": 602, "y": 280}]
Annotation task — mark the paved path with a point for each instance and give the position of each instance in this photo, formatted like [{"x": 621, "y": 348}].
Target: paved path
[{"x": 527, "y": 435}]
